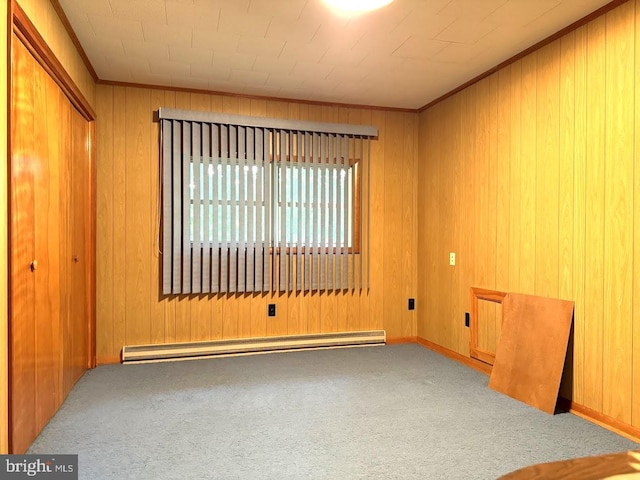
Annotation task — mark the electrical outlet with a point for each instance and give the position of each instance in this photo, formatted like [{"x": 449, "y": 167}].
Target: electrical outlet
[
  {"x": 467, "y": 319},
  {"x": 452, "y": 258},
  {"x": 412, "y": 304},
  {"x": 271, "y": 311}
]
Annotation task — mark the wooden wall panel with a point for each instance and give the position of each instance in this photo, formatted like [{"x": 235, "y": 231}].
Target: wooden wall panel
[
  {"x": 566, "y": 132},
  {"x": 137, "y": 221},
  {"x": 635, "y": 407},
  {"x": 514, "y": 177},
  {"x": 594, "y": 208},
  {"x": 579, "y": 213},
  {"x": 157, "y": 303},
  {"x": 117, "y": 192},
  {"x": 619, "y": 199},
  {"x": 4, "y": 273},
  {"x": 450, "y": 236},
  {"x": 527, "y": 179},
  {"x": 565, "y": 184},
  {"x": 104, "y": 216},
  {"x": 551, "y": 183},
  {"x": 465, "y": 266},
  {"x": 503, "y": 180},
  {"x": 130, "y": 308},
  {"x": 428, "y": 227},
  {"x": 546, "y": 164}
]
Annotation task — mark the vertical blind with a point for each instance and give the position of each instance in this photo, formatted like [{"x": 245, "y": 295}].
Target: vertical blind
[{"x": 256, "y": 204}]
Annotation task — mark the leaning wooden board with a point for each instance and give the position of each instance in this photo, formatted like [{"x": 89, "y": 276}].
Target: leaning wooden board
[{"x": 532, "y": 348}]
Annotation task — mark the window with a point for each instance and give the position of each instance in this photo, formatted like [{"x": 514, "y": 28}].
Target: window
[
  {"x": 261, "y": 205},
  {"x": 297, "y": 204}
]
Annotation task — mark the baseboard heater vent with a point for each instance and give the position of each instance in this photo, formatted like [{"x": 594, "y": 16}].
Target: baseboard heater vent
[{"x": 244, "y": 346}]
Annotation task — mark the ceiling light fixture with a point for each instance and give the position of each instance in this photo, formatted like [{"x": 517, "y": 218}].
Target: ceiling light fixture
[{"x": 356, "y": 6}]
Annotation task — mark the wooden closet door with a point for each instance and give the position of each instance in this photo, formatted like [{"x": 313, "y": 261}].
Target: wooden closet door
[
  {"x": 35, "y": 295},
  {"x": 22, "y": 325},
  {"x": 77, "y": 360},
  {"x": 47, "y": 218},
  {"x": 50, "y": 248}
]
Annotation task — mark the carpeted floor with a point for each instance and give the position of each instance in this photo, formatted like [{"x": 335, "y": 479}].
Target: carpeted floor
[{"x": 395, "y": 412}]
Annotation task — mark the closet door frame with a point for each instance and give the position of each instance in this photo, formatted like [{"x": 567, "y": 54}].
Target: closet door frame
[{"x": 21, "y": 29}]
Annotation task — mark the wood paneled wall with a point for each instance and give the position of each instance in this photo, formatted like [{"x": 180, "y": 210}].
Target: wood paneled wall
[
  {"x": 4, "y": 274},
  {"x": 530, "y": 176},
  {"x": 46, "y": 20},
  {"x": 130, "y": 309}
]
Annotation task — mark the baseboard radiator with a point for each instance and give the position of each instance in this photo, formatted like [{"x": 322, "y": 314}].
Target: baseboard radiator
[{"x": 245, "y": 346}]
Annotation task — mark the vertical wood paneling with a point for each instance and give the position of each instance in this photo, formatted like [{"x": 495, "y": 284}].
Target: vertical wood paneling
[
  {"x": 565, "y": 161},
  {"x": 408, "y": 217},
  {"x": 566, "y": 188},
  {"x": 491, "y": 233},
  {"x": 618, "y": 218},
  {"x": 514, "y": 178},
  {"x": 156, "y": 302},
  {"x": 580, "y": 217},
  {"x": 118, "y": 195},
  {"x": 393, "y": 232},
  {"x": 444, "y": 233},
  {"x": 128, "y": 158},
  {"x": 485, "y": 203},
  {"x": 437, "y": 261},
  {"x": 137, "y": 219},
  {"x": 503, "y": 179},
  {"x": 594, "y": 251},
  {"x": 547, "y": 170},
  {"x": 444, "y": 240},
  {"x": 104, "y": 216},
  {"x": 564, "y": 179},
  {"x": 377, "y": 225},
  {"x": 465, "y": 265},
  {"x": 635, "y": 413},
  {"x": 527, "y": 179}
]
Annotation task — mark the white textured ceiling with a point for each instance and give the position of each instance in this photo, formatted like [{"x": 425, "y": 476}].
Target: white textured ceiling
[{"x": 403, "y": 55}]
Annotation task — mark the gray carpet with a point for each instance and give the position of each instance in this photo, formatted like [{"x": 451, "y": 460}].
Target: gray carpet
[{"x": 379, "y": 412}]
